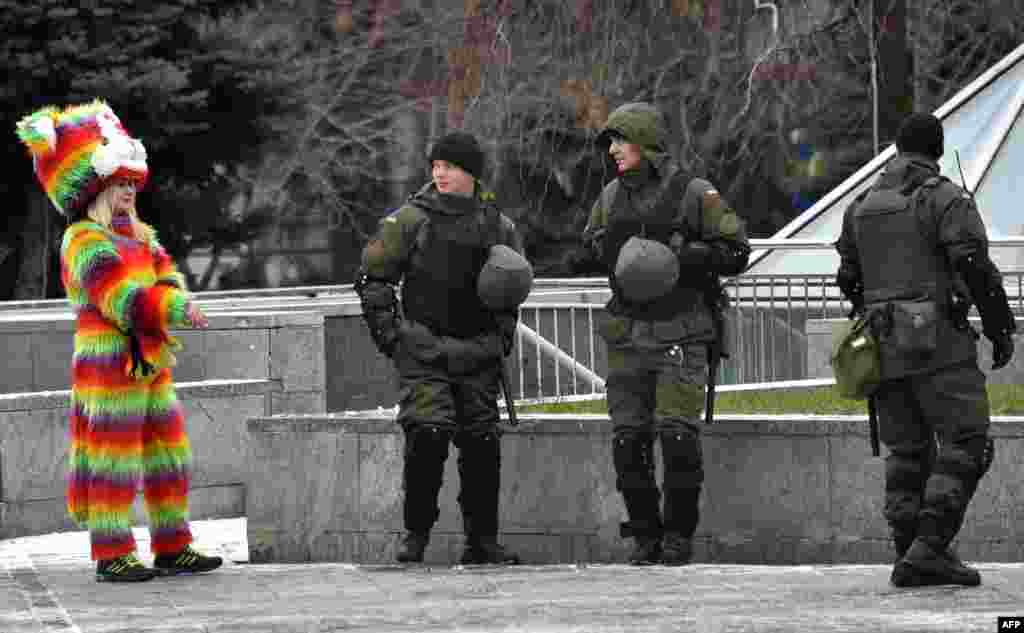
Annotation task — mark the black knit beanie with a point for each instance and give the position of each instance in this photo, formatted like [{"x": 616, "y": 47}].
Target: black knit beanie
[
  {"x": 460, "y": 148},
  {"x": 921, "y": 134}
]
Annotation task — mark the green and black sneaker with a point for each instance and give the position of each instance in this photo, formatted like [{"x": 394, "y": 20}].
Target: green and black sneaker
[
  {"x": 187, "y": 561},
  {"x": 127, "y": 568}
]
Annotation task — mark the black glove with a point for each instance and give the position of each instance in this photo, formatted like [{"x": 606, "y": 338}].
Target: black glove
[
  {"x": 858, "y": 306},
  {"x": 583, "y": 261},
  {"x": 507, "y": 323},
  {"x": 419, "y": 342},
  {"x": 852, "y": 286},
  {"x": 463, "y": 356},
  {"x": 1002, "y": 351},
  {"x": 380, "y": 311},
  {"x": 387, "y": 341},
  {"x": 595, "y": 244},
  {"x": 694, "y": 255},
  {"x": 960, "y": 309},
  {"x": 985, "y": 285}
]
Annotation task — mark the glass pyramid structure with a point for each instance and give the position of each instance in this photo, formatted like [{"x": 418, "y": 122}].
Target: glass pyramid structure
[{"x": 982, "y": 123}]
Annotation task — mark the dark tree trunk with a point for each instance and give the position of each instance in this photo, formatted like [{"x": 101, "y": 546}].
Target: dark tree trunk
[
  {"x": 895, "y": 90},
  {"x": 34, "y": 271}
]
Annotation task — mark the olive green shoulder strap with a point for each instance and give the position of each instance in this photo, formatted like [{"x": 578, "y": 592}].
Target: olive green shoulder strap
[{"x": 608, "y": 195}]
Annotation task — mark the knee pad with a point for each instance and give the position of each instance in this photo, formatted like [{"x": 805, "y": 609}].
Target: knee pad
[
  {"x": 982, "y": 451},
  {"x": 950, "y": 486},
  {"x": 906, "y": 472},
  {"x": 945, "y": 502},
  {"x": 988, "y": 456},
  {"x": 963, "y": 460},
  {"x": 426, "y": 442},
  {"x": 633, "y": 434},
  {"x": 902, "y": 507},
  {"x": 957, "y": 469},
  {"x": 476, "y": 436},
  {"x": 475, "y": 448},
  {"x": 633, "y": 456},
  {"x": 683, "y": 459}
]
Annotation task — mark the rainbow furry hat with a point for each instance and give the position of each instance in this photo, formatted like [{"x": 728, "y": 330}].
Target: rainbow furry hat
[{"x": 78, "y": 150}]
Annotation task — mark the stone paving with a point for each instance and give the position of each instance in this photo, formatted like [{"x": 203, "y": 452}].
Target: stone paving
[{"x": 47, "y": 585}]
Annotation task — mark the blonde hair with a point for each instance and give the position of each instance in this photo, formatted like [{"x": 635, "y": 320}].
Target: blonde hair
[{"x": 101, "y": 211}]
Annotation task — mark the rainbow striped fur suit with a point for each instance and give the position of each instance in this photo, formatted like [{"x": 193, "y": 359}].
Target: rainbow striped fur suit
[{"x": 125, "y": 427}]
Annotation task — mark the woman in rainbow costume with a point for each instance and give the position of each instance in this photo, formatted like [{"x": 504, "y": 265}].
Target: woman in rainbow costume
[{"x": 126, "y": 423}]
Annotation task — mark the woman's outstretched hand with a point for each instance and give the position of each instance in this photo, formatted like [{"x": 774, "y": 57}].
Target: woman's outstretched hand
[{"x": 196, "y": 316}]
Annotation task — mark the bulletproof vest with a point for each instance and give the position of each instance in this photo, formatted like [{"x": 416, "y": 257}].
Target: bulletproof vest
[
  {"x": 440, "y": 287},
  {"x": 901, "y": 260},
  {"x": 899, "y": 254},
  {"x": 652, "y": 213}
]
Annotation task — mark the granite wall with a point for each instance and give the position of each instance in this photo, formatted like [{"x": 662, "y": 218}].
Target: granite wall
[
  {"x": 288, "y": 346},
  {"x": 34, "y": 452},
  {"x": 778, "y": 490},
  {"x": 246, "y": 365}
]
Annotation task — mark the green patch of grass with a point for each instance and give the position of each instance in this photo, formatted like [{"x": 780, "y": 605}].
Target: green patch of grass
[
  {"x": 1004, "y": 399},
  {"x": 586, "y": 406}
]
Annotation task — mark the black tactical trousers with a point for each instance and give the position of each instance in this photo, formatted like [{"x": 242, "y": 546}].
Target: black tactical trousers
[
  {"x": 434, "y": 409},
  {"x": 653, "y": 390},
  {"x": 936, "y": 429}
]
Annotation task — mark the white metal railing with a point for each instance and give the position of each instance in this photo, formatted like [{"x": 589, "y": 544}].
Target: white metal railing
[
  {"x": 766, "y": 324},
  {"x": 332, "y": 292},
  {"x": 535, "y": 348},
  {"x": 557, "y": 354},
  {"x": 528, "y": 335},
  {"x": 800, "y": 244}
]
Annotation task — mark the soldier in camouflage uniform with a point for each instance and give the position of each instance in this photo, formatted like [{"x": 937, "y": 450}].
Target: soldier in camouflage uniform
[
  {"x": 446, "y": 345},
  {"x": 657, "y": 349},
  {"x": 914, "y": 254}
]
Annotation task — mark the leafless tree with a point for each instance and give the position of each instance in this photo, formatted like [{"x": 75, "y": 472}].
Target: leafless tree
[{"x": 536, "y": 78}]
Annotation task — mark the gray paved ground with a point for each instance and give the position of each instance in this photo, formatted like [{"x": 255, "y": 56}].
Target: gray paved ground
[{"x": 46, "y": 584}]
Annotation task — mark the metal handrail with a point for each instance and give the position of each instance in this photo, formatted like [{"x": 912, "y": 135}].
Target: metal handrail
[
  {"x": 550, "y": 283},
  {"x": 306, "y": 292},
  {"x": 797, "y": 244},
  {"x": 563, "y": 359}
]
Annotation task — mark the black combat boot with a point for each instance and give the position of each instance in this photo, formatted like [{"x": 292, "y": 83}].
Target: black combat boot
[
  {"x": 646, "y": 550},
  {"x": 902, "y": 538},
  {"x": 485, "y": 550},
  {"x": 924, "y": 566},
  {"x": 426, "y": 449},
  {"x": 413, "y": 546},
  {"x": 958, "y": 565},
  {"x": 901, "y": 543},
  {"x": 676, "y": 549}
]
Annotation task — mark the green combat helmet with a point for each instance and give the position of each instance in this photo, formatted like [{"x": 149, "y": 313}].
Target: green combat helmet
[
  {"x": 646, "y": 270},
  {"x": 505, "y": 280}
]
